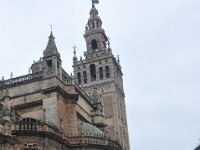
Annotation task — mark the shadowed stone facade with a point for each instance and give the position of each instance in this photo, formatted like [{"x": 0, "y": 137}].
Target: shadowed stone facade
[
  {"x": 197, "y": 148},
  {"x": 48, "y": 109}
]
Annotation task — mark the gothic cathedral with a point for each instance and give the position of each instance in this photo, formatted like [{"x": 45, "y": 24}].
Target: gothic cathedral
[{"x": 48, "y": 109}]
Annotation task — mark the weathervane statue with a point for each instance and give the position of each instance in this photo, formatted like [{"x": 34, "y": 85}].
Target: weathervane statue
[{"x": 95, "y": 2}]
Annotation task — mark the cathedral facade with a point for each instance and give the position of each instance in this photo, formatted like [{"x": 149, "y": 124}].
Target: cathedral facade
[{"x": 48, "y": 109}]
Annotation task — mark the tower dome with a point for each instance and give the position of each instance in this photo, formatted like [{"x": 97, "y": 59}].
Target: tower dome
[{"x": 87, "y": 128}]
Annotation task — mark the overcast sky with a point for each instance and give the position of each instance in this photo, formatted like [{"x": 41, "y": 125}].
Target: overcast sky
[{"x": 159, "y": 45}]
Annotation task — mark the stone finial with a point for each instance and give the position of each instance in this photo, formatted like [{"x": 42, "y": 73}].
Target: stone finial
[
  {"x": 13, "y": 116},
  {"x": 29, "y": 71},
  {"x": 74, "y": 47},
  {"x": 108, "y": 44},
  {"x": 11, "y": 75},
  {"x": 74, "y": 58},
  {"x": 118, "y": 59},
  {"x": 86, "y": 27}
]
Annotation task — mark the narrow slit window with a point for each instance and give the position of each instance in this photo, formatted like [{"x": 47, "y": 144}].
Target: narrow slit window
[
  {"x": 93, "y": 72},
  {"x": 84, "y": 76},
  {"x": 94, "y": 44},
  {"x": 49, "y": 63},
  {"x": 101, "y": 73},
  {"x": 79, "y": 77},
  {"x": 107, "y": 72}
]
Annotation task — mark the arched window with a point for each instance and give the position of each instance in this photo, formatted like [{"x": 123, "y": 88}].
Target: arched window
[
  {"x": 94, "y": 44},
  {"x": 93, "y": 72}
]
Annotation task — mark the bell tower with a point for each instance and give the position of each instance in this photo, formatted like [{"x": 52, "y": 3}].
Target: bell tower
[
  {"x": 101, "y": 70},
  {"x": 95, "y": 36}
]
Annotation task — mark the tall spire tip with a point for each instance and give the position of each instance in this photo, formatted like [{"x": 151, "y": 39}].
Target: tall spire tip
[
  {"x": 51, "y": 34},
  {"x": 51, "y": 28},
  {"x": 74, "y": 47}
]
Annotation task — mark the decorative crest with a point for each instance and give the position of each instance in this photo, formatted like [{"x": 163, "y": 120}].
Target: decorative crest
[
  {"x": 11, "y": 75},
  {"x": 95, "y": 2},
  {"x": 51, "y": 27}
]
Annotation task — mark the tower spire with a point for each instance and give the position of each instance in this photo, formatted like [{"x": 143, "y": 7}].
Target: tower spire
[
  {"x": 94, "y": 21},
  {"x": 51, "y": 48}
]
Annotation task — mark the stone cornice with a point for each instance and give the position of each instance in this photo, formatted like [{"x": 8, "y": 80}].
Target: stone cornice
[
  {"x": 72, "y": 97},
  {"x": 28, "y": 105}
]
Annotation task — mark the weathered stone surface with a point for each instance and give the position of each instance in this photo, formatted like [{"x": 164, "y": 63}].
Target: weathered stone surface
[{"x": 50, "y": 110}]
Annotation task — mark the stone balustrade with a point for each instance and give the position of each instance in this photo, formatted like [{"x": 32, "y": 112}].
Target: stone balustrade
[
  {"x": 87, "y": 139},
  {"x": 70, "y": 81},
  {"x": 93, "y": 140},
  {"x": 31, "y": 77},
  {"x": 72, "y": 139},
  {"x": 31, "y": 127},
  {"x": 21, "y": 79}
]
